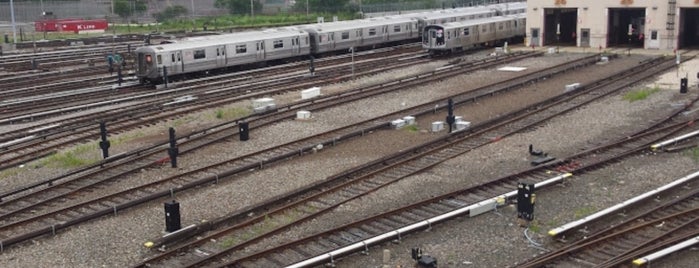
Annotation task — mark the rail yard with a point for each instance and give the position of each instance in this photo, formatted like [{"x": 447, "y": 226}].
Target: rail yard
[{"x": 360, "y": 174}]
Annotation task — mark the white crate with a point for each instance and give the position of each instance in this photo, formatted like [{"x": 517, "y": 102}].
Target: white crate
[
  {"x": 458, "y": 118},
  {"x": 310, "y": 93},
  {"x": 263, "y": 102},
  {"x": 398, "y": 123},
  {"x": 437, "y": 126},
  {"x": 303, "y": 115},
  {"x": 462, "y": 125},
  {"x": 409, "y": 120}
]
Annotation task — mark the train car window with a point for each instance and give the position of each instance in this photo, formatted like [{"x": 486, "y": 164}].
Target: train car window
[
  {"x": 501, "y": 26},
  {"x": 345, "y": 35},
  {"x": 396, "y": 28},
  {"x": 199, "y": 54},
  {"x": 241, "y": 49},
  {"x": 466, "y": 31},
  {"x": 492, "y": 27},
  {"x": 484, "y": 29},
  {"x": 448, "y": 35},
  {"x": 372, "y": 32},
  {"x": 160, "y": 59},
  {"x": 258, "y": 46},
  {"x": 173, "y": 57},
  {"x": 149, "y": 59},
  {"x": 278, "y": 44},
  {"x": 218, "y": 52},
  {"x": 306, "y": 40}
]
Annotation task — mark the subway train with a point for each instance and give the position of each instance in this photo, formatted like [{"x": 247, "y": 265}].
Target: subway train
[
  {"x": 195, "y": 55},
  {"x": 457, "y": 36}
]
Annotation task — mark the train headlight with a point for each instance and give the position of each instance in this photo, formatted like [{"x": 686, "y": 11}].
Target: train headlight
[{"x": 149, "y": 59}]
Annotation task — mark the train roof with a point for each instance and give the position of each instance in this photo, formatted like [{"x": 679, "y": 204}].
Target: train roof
[
  {"x": 222, "y": 39},
  {"x": 355, "y": 24},
  {"x": 473, "y": 10},
  {"x": 466, "y": 23}
]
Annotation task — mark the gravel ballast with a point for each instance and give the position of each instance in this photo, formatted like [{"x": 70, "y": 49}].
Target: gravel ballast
[{"x": 490, "y": 240}]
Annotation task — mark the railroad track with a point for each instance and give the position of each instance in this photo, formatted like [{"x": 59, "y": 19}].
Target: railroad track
[
  {"x": 308, "y": 203},
  {"x": 102, "y": 91},
  {"x": 662, "y": 225},
  {"x": 19, "y": 147},
  {"x": 16, "y": 214},
  {"x": 25, "y": 144},
  {"x": 326, "y": 246}
]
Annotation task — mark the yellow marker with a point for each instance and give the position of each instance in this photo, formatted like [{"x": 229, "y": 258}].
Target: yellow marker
[
  {"x": 654, "y": 147},
  {"x": 148, "y": 244},
  {"x": 639, "y": 262},
  {"x": 552, "y": 233},
  {"x": 568, "y": 175}
]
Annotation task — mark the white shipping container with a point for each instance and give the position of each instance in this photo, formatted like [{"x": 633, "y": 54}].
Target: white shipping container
[
  {"x": 310, "y": 93},
  {"x": 303, "y": 115},
  {"x": 398, "y": 123},
  {"x": 437, "y": 126},
  {"x": 410, "y": 120}
]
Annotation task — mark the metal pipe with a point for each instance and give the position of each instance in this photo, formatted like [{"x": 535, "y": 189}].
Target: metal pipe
[
  {"x": 659, "y": 254},
  {"x": 612, "y": 209}
]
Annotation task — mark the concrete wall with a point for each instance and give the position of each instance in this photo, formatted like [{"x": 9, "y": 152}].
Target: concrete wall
[{"x": 593, "y": 15}]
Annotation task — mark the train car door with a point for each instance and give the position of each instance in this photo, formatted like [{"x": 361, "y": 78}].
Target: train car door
[
  {"x": 176, "y": 65},
  {"x": 476, "y": 34},
  {"x": 386, "y": 35},
  {"x": 221, "y": 56},
  {"x": 260, "y": 52},
  {"x": 295, "y": 45}
]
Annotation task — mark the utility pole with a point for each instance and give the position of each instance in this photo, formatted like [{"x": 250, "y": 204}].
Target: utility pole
[
  {"x": 14, "y": 25},
  {"x": 194, "y": 24}
]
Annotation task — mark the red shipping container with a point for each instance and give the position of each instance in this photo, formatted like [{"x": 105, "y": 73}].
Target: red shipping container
[
  {"x": 50, "y": 25},
  {"x": 78, "y": 26}
]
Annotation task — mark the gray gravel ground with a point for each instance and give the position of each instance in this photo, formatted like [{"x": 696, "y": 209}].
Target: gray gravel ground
[{"x": 490, "y": 240}]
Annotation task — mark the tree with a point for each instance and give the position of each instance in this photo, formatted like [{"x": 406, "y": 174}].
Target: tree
[
  {"x": 239, "y": 6},
  {"x": 171, "y": 13},
  {"x": 127, "y": 8},
  {"x": 323, "y": 6}
]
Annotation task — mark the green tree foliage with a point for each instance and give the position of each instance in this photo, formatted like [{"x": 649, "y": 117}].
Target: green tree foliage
[
  {"x": 239, "y": 6},
  {"x": 127, "y": 8},
  {"x": 318, "y": 6},
  {"x": 171, "y": 13}
]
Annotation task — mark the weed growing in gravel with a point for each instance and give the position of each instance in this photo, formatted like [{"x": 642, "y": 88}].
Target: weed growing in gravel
[
  {"x": 534, "y": 227},
  {"x": 693, "y": 153},
  {"x": 583, "y": 211},
  {"x": 9, "y": 173},
  {"x": 127, "y": 137},
  {"x": 232, "y": 113},
  {"x": 412, "y": 128},
  {"x": 81, "y": 155},
  {"x": 640, "y": 94}
]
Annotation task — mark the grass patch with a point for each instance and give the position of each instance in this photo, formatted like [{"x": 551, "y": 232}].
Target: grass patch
[
  {"x": 231, "y": 113},
  {"x": 79, "y": 156},
  {"x": 412, "y": 128},
  {"x": 583, "y": 212},
  {"x": 693, "y": 153},
  {"x": 127, "y": 137},
  {"x": 535, "y": 227},
  {"x": 9, "y": 173},
  {"x": 640, "y": 94}
]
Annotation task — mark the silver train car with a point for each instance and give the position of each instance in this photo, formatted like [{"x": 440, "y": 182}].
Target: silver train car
[
  {"x": 258, "y": 47},
  {"x": 208, "y": 53},
  {"x": 457, "y": 36},
  {"x": 340, "y": 36}
]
